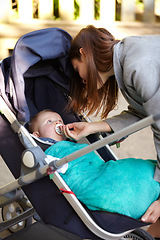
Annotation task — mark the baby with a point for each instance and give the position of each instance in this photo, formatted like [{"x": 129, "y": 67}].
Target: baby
[
  {"x": 46, "y": 125},
  {"x": 125, "y": 186}
]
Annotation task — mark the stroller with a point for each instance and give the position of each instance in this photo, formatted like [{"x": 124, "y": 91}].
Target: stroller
[{"x": 37, "y": 77}]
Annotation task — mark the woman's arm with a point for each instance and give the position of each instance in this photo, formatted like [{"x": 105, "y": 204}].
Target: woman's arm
[{"x": 124, "y": 119}]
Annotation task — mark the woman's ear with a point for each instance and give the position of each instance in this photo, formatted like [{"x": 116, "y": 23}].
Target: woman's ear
[
  {"x": 83, "y": 55},
  {"x": 36, "y": 134},
  {"x": 82, "y": 51}
]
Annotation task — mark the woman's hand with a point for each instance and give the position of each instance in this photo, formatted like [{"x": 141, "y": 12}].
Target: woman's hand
[
  {"x": 152, "y": 213},
  {"x": 77, "y": 130}
]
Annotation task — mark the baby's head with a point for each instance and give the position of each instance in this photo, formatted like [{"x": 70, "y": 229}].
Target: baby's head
[{"x": 46, "y": 124}]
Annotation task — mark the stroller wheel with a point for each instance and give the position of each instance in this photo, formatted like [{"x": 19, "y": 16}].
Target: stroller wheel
[
  {"x": 139, "y": 234},
  {"x": 12, "y": 210}
]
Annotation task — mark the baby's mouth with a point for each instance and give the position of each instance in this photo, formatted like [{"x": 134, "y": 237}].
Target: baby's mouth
[{"x": 57, "y": 128}]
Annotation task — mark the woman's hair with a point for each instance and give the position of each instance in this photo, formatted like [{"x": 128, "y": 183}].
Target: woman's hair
[{"x": 97, "y": 44}]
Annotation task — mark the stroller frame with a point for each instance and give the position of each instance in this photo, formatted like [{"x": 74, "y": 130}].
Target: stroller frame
[
  {"x": 57, "y": 180},
  {"x": 72, "y": 199},
  {"x": 39, "y": 159}
]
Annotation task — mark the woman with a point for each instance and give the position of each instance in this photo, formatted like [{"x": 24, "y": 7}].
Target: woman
[{"x": 102, "y": 65}]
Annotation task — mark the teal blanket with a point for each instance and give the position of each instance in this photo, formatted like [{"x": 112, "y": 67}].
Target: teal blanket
[{"x": 124, "y": 186}]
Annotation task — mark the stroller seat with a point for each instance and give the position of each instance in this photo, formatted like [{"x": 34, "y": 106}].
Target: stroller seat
[{"x": 37, "y": 77}]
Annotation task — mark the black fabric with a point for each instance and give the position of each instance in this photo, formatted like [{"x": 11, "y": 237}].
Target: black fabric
[
  {"x": 40, "y": 231},
  {"x": 104, "y": 152},
  {"x": 116, "y": 223},
  {"x": 42, "y": 94},
  {"x": 54, "y": 209},
  {"x": 10, "y": 147}
]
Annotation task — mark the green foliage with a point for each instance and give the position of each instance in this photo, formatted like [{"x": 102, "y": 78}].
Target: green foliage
[
  {"x": 56, "y": 11},
  {"x": 118, "y": 10},
  {"x": 140, "y": 4},
  {"x": 97, "y": 9},
  {"x": 76, "y": 7}
]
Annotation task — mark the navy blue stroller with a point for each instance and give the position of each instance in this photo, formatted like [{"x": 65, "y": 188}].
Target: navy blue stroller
[{"x": 37, "y": 77}]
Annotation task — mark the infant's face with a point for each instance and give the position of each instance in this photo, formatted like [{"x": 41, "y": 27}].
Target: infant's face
[{"x": 46, "y": 124}]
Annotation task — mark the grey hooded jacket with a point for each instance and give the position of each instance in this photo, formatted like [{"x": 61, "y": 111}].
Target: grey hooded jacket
[{"x": 137, "y": 70}]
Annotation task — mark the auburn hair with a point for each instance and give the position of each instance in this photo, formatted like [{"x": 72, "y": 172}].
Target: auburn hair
[{"x": 97, "y": 44}]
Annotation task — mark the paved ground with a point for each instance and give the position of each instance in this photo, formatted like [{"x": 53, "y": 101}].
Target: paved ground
[{"x": 139, "y": 145}]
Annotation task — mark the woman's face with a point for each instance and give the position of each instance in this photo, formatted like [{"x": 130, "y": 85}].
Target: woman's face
[{"x": 80, "y": 67}]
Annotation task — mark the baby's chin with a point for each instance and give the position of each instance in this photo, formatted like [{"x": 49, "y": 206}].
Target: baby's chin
[
  {"x": 60, "y": 138},
  {"x": 63, "y": 138}
]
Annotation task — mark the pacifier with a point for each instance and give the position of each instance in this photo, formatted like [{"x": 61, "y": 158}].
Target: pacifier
[{"x": 57, "y": 128}]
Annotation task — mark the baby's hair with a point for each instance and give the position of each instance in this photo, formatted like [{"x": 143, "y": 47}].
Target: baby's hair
[{"x": 33, "y": 120}]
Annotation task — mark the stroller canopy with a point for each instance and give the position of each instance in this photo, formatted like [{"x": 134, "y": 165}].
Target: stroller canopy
[{"x": 41, "y": 45}]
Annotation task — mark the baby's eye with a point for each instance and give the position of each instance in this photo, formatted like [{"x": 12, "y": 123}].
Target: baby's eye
[{"x": 49, "y": 121}]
